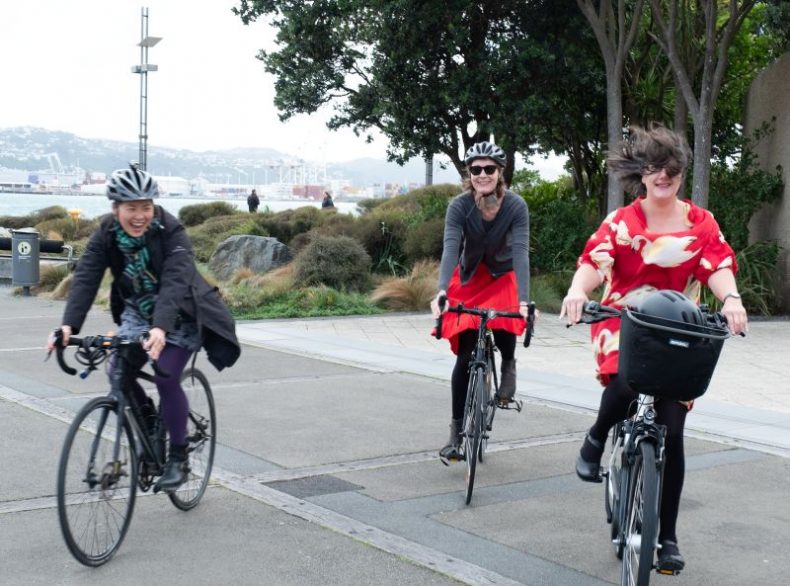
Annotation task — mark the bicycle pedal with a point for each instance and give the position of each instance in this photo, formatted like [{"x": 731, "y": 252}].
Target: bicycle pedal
[
  {"x": 448, "y": 461},
  {"x": 510, "y": 404},
  {"x": 667, "y": 572}
]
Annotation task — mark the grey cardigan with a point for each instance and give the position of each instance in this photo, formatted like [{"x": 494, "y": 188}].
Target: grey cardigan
[{"x": 504, "y": 247}]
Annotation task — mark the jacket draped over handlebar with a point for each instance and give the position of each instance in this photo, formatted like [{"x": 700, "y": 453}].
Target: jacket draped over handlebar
[
  {"x": 183, "y": 292},
  {"x": 634, "y": 262}
]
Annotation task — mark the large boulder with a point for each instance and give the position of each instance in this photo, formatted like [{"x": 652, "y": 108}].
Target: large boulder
[{"x": 257, "y": 253}]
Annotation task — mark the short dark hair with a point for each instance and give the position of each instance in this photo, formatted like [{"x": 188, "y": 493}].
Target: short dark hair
[{"x": 645, "y": 151}]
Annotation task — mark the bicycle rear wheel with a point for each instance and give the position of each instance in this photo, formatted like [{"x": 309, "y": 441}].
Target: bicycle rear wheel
[
  {"x": 95, "y": 490},
  {"x": 641, "y": 523},
  {"x": 201, "y": 439},
  {"x": 473, "y": 429}
]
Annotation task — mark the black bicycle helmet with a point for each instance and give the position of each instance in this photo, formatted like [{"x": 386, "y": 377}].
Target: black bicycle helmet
[
  {"x": 132, "y": 184},
  {"x": 673, "y": 305},
  {"x": 485, "y": 150}
]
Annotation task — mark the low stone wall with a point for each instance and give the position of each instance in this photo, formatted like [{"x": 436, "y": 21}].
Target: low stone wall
[{"x": 768, "y": 98}]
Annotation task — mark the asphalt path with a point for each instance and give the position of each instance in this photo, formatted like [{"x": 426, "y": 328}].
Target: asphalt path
[{"x": 326, "y": 473}]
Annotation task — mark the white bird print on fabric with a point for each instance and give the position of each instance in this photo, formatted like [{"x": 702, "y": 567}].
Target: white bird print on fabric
[{"x": 665, "y": 251}]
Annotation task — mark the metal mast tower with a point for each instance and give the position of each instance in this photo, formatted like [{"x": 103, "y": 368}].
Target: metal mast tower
[{"x": 145, "y": 43}]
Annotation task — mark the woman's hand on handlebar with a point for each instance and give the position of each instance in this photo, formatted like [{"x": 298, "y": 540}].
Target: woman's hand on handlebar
[
  {"x": 573, "y": 306},
  {"x": 735, "y": 314},
  {"x": 155, "y": 343},
  {"x": 52, "y": 338},
  {"x": 436, "y": 308}
]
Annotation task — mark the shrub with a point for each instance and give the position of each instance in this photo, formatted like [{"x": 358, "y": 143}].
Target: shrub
[
  {"x": 383, "y": 234},
  {"x": 339, "y": 262},
  {"x": 50, "y": 213},
  {"x": 17, "y": 222},
  {"x": 412, "y": 292},
  {"x": 287, "y": 224},
  {"x": 422, "y": 204},
  {"x": 67, "y": 229},
  {"x": 424, "y": 240},
  {"x": 197, "y": 214}
]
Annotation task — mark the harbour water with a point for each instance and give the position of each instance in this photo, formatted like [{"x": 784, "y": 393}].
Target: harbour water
[{"x": 21, "y": 204}]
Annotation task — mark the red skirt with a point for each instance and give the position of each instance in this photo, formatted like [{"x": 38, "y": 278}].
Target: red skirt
[{"x": 482, "y": 290}]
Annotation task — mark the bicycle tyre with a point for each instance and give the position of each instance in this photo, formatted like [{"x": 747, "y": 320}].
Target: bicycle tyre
[
  {"x": 616, "y": 486},
  {"x": 96, "y": 495},
  {"x": 641, "y": 526},
  {"x": 489, "y": 410},
  {"x": 473, "y": 427},
  {"x": 201, "y": 436}
]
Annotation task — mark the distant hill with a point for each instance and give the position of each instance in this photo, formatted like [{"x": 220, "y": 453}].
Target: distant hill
[{"x": 27, "y": 148}]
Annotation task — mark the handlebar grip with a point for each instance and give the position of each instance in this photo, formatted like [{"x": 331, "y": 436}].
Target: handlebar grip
[
  {"x": 530, "y": 324},
  {"x": 59, "y": 354},
  {"x": 442, "y": 301}
]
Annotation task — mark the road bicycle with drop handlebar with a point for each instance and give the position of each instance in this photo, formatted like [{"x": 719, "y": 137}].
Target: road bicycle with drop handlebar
[
  {"x": 113, "y": 447},
  {"x": 653, "y": 354},
  {"x": 482, "y": 395}
]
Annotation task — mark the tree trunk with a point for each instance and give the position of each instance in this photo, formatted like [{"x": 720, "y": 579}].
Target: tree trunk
[
  {"x": 703, "y": 130},
  {"x": 614, "y": 119}
]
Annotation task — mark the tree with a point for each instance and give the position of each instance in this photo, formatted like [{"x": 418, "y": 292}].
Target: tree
[
  {"x": 720, "y": 31},
  {"x": 433, "y": 77},
  {"x": 615, "y": 36}
]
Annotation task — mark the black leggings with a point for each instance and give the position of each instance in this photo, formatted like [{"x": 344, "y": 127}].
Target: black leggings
[
  {"x": 617, "y": 402},
  {"x": 505, "y": 342}
]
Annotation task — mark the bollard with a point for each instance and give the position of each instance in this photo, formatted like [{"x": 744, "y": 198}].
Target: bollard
[{"x": 24, "y": 259}]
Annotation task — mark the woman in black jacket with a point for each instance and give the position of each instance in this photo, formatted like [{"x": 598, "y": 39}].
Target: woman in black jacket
[{"x": 156, "y": 289}]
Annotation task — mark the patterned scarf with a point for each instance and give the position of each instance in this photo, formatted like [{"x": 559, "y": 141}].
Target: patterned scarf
[{"x": 137, "y": 260}]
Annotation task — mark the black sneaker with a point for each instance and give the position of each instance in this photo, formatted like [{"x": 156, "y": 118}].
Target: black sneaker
[
  {"x": 670, "y": 562},
  {"x": 590, "y": 470}
]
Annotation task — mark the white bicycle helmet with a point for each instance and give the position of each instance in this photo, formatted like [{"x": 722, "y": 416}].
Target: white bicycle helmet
[
  {"x": 132, "y": 184},
  {"x": 485, "y": 150}
]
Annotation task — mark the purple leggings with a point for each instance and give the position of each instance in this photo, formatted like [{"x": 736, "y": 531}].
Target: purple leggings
[{"x": 175, "y": 407}]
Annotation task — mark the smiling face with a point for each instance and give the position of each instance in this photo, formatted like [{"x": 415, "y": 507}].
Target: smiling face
[
  {"x": 484, "y": 183},
  {"x": 661, "y": 185},
  {"x": 134, "y": 216}
]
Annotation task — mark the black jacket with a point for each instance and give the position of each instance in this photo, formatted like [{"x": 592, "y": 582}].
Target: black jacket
[{"x": 183, "y": 292}]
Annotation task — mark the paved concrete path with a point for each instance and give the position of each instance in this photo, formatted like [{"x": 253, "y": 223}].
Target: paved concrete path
[{"x": 326, "y": 471}]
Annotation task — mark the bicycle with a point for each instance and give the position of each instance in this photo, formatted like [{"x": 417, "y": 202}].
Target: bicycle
[
  {"x": 482, "y": 395},
  {"x": 111, "y": 449},
  {"x": 634, "y": 473}
]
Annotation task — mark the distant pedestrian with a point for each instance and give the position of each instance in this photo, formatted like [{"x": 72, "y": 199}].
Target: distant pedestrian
[
  {"x": 327, "y": 201},
  {"x": 253, "y": 202}
]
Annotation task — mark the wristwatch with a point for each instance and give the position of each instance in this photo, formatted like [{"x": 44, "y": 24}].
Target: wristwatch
[{"x": 728, "y": 295}]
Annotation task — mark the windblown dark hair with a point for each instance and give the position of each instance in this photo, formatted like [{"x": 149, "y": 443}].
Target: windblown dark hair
[{"x": 646, "y": 151}]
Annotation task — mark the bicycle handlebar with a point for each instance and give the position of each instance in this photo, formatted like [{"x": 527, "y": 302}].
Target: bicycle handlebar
[
  {"x": 94, "y": 349},
  {"x": 488, "y": 314}
]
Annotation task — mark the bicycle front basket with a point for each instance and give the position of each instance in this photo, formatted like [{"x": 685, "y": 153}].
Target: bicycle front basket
[{"x": 666, "y": 358}]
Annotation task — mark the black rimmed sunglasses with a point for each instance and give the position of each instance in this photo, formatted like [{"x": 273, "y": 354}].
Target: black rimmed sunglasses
[{"x": 477, "y": 169}]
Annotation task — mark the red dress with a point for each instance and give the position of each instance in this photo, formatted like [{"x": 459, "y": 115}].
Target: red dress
[
  {"x": 635, "y": 262},
  {"x": 482, "y": 290}
]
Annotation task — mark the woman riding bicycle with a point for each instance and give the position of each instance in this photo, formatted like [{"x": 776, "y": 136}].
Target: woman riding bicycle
[
  {"x": 658, "y": 242},
  {"x": 156, "y": 289},
  {"x": 485, "y": 263}
]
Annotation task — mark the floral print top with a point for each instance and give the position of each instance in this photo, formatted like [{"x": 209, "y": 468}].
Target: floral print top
[{"x": 634, "y": 262}]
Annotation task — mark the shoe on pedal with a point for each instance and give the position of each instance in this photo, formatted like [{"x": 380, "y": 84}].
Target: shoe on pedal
[
  {"x": 507, "y": 386},
  {"x": 670, "y": 562},
  {"x": 176, "y": 470},
  {"x": 588, "y": 463},
  {"x": 452, "y": 451}
]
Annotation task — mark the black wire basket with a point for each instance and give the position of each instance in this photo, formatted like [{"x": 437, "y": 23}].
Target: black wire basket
[{"x": 666, "y": 358}]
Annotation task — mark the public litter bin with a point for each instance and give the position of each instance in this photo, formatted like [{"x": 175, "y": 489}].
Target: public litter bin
[{"x": 24, "y": 258}]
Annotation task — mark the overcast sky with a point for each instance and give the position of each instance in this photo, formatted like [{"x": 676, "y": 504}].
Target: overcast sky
[{"x": 66, "y": 65}]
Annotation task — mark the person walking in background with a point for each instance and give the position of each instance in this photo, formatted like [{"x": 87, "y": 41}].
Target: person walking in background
[
  {"x": 485, "y": 263},
  {"x": 253, "y": 202},
  {"x": 657, "y": 242},
  {"x": 156, "y": 289},
  {"x": 327, "y": 201}
]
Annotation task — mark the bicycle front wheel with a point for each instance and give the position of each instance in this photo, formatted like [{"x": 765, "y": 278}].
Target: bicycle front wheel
[
  {"x": 641, "y": 523},
  {"x": 473, "y": 429},
  {"x": 201, "y": 439},
  {"x": 97, "y": 482},
  {"x": 488, "y": 402}
]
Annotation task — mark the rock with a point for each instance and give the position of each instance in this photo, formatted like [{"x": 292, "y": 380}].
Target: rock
[{"x": 257, "y": 253}]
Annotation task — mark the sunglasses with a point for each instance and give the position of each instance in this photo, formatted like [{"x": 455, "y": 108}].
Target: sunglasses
[
  {"x": 672, "y": 169},
  {"x": 477, "y": 169}
]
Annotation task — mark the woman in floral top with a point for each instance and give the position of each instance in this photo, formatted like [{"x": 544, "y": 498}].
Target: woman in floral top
[{"x": 658, "y": 242}]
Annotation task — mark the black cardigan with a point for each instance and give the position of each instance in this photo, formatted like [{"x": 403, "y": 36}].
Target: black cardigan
[{"x": 182, "y": 289}]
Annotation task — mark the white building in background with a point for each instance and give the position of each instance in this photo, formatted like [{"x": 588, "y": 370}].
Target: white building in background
[{"x": 170, "y": 186}]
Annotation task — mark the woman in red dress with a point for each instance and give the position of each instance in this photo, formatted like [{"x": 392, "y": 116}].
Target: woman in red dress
[
  {"x": 485, "y": 263},
  {"x": 658, "y": 242}
]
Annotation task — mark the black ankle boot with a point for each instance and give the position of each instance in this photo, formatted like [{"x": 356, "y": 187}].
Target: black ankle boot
[
  {"x": 176, "y": 469},
  {"x": 588, "y": 464},
  {"x": 507, "y": 386},
  {"x": 670, "y": 561},
  {"x": 452, "y": 451}
]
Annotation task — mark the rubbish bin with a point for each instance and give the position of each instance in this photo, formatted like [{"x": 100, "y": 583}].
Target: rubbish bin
[{"x": 24, "y": 258}]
